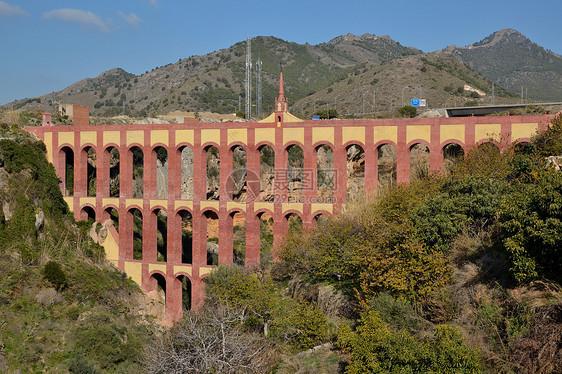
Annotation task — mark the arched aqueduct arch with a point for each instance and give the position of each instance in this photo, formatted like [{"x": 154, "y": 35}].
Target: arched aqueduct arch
[{"x": 187, "y": 187}]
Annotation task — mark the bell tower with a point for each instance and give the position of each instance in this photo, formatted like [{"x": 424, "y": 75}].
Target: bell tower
[{"x": 280, "y": 103}]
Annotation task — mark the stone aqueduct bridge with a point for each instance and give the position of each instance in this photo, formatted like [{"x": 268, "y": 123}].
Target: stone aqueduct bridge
[{"x": 280, "y": 131}]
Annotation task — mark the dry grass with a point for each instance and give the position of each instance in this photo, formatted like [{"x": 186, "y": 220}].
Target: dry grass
[{"x": 10, "y": 116}]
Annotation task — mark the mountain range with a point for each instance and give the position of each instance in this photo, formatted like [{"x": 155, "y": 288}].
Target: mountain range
[{"x": 365, "y": 74}]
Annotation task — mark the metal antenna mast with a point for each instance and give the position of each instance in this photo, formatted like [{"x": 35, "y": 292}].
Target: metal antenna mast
[
  {"x": 258, "y": 87},
  {"x": 248, "y": 98}
]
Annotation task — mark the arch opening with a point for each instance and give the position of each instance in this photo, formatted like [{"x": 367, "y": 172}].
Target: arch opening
[
  {"x": 161, "y": 234},
  {"x": 325, "y": 174},
  {"x": 320, "y": 219},
  {"x": 355, "y": 172},
  {"x": 186, "y": 236},
  {"x": 67, "y": 155},
  {"x": 213, "y": 173},
  {"x": 87, "y": 213},
  {"x": 294, "y": 224},
  {"x": 134, "y": 216},
  {"x": 419, "y": 162},
  {"x": 452, "y": 154},
  {"x": 212, "y": 237},
  {"x": 185, "y": 292},
  {"x": 266, "y": 238},
  {"x": 137, "y": 161},
  {"x": 161, "y": 172},
  {"x": 91, "y": 162},
  {"x": 238, "y": 238},
  {"x": 267, "y": 173},
  {"x": 158, "y": 284},
  {"x": 112, "y": 154},
  {"x": 186, "y": 154},
  {"x": 113, "y": 215},
  {"x": 295, "y": 165},
  {"x": 387, "y": 164},
  {"x": 237, "y": 181}
]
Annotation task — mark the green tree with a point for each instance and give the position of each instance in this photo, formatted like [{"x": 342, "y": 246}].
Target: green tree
[{"x": 408, "y": 111}]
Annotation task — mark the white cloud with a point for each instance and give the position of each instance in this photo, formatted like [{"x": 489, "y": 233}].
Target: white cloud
[
  {"x": 78, "y": 16},
  {"x": 7, "y": 10},
  {"x": 154, "y": 3},
  {"x": 132, "y": 19}
]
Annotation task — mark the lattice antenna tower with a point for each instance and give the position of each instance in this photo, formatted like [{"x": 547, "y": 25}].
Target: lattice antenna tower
[
  {"x": 258, "y": 87},
  {"x": 248, "y": 112}
]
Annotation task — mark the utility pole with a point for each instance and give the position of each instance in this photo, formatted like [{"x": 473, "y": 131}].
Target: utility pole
[
  {"x": 248, "y": 97},
  {"x": 258, "y": 87},
  {"x": 374, "y": 101},
  {"x": 403, "y": 88},
  {"x": 493, "y": 98}
]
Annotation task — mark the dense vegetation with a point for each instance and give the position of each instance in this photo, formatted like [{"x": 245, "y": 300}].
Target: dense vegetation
[
  {"x": 61, "y": 306},
  {"x": 455, "y": 273}
]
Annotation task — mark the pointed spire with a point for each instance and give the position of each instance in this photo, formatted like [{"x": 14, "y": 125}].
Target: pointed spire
[{"x": 281, "y": 91}]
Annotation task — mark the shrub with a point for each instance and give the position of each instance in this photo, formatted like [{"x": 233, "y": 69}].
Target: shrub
[
  {"x": 376, "y": 349},
  {"x": 54, "y": 274}
]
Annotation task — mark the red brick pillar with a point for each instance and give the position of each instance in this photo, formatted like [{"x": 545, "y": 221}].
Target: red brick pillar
[
  {"x": 225, "y": 191},
  {"x": 280, "y": 188},
  {"x": 505, "y": 140},
  {"x": 376, "y": 170},
  {"x": 310, "y": 174},
  {"x": 197, "y": 293},
  {"x": 173, "y": 296},
  {"x": 125, "y": 172},
  {"x": 253, "y": 189},
  {"x": 174, "y": 235},
  {"x": 340, "y": 166},
  {"x": 80, "y": 173},
  {"x": 174, "y": 170},
  {"x": 252, "y": 237},
  {"x": 149, "y": 173},
  {"x": 370, "y": 161},
  {"x": 435, "y": 150},
  {"x": 198, "y": 237},
  {"x": 225, "y": 236},
  {"x": 126, "y": 234},
  {"x": 102, "y": 174},
  {"x": 402, "y": 157},
  {"x": 469, "y": 135},
  {"x": 148, "y": 234}
]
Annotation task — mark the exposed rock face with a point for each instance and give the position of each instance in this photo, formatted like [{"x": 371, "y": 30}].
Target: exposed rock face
[
  {"x": 355, "y": 172},
  {"x": 213, "y": 174},
  {"x": 187, "y": 174},
  {"x": 162, "y": 179},
  {"x": 554, "y": 162}
]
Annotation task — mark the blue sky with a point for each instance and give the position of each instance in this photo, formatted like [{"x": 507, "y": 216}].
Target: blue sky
[{"x": 49, "y": 44}]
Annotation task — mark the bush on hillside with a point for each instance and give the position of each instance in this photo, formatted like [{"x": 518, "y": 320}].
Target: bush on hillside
[
  {"x": 54, "y": 274},
  {"x": 374, "y": 348}
]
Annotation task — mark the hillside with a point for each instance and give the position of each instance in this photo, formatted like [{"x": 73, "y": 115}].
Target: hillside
[
  {"x": 437, "y": 77},
  {"x": 213, "y": 82},
  {"x": 513, "y": 61},
  {"x": 62, "y": 307}
]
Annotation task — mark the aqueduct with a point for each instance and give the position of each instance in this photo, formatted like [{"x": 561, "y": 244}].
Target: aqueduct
[{"x": 256, "y": 174}]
